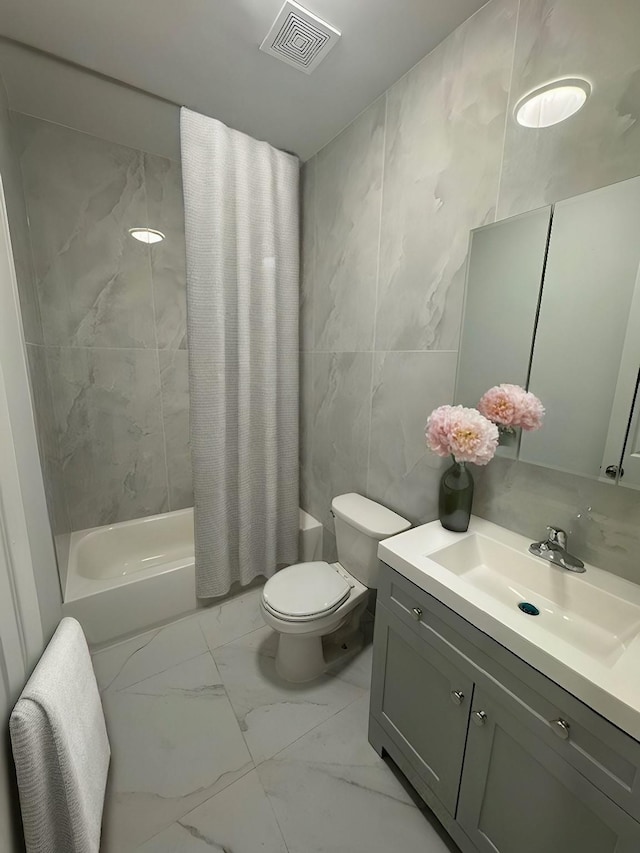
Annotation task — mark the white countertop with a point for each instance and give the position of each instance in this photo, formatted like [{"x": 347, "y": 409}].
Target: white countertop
[{"x": 611, "y": 686}]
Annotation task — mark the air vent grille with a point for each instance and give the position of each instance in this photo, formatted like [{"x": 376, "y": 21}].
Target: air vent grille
[{"x": 299, "y": 38}]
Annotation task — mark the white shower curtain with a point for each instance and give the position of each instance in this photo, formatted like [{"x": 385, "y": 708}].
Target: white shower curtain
[{"x": 241, "y": 220}]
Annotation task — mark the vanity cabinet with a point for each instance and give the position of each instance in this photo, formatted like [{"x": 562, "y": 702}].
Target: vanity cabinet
[{"x": 506, "y": 759}]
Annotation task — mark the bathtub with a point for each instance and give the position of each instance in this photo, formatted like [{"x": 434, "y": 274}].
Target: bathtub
[{"x": 124, "y": 578}]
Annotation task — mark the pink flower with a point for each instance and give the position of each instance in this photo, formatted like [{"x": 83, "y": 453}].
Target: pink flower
[
  {"x": 462, "y": 433},
  {"x": 498, "y": 405},
  {"x": 438, "y": 430},
  {"x": 531, "y": 412},
  {"x": 512, "y": 406}
]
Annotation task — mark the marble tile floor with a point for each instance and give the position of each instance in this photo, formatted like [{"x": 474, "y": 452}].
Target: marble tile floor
[{"x": 211, "y": 750}]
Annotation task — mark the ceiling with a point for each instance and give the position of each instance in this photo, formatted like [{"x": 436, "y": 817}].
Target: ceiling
[{"x": 204, "y": 54}]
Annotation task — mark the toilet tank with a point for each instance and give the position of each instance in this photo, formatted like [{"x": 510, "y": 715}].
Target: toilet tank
[{"x": 360, "y": 524}]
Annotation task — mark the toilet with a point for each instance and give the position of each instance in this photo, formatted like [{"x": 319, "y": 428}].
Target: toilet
[{"x": 307, "y": 602}]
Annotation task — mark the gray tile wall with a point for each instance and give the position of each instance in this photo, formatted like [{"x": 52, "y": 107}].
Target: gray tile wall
[
  {"x": 109, "y": 357},
  {"x": 387, "y": 210}
]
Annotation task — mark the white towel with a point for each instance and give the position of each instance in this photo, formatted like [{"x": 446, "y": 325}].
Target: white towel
[{"x": 61, "y": 749}]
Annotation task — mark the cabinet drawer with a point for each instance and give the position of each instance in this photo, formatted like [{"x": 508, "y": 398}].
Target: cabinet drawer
[
  {"x": 584, "y": 739},
  {"x": 594, "y": 746},
  {"x": 414, "y": 607}
]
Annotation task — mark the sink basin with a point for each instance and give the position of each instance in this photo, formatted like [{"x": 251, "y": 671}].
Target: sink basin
[
  {"x": 593, "y": 620},
  {"x": 586, "y": 634}
]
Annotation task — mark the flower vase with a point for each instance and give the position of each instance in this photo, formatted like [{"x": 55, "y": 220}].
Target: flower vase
[
  {"x": 456, "y": 497},
  {"x": 507, "y": 436}
]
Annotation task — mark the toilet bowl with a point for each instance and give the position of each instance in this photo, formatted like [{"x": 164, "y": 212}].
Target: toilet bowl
[{"x": 310, "y": 601}]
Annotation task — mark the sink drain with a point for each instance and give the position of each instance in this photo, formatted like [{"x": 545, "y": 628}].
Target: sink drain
[{"x": 529, "y": 609}]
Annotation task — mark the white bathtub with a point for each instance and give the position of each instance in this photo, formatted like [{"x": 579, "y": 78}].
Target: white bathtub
[{"x": 127, "y": 577}]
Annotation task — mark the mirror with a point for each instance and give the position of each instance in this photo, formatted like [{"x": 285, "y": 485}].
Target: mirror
[
  {"x": 503, "y": 290},
  {"x": 553, "y": 304}
]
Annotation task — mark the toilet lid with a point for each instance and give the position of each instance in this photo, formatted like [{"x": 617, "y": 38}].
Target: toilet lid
[{"x": 306, "y": 589}]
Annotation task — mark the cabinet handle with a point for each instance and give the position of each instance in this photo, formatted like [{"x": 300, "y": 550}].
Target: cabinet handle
[
  {"x": 561, "y": 728},
  {"x": 416, "y": 612},
  {"x": 479, "y": 718},
  {"x": 457, "y": 697}
]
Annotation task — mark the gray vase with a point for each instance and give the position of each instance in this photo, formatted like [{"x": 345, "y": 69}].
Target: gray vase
[{"x": 456, "y": 497}]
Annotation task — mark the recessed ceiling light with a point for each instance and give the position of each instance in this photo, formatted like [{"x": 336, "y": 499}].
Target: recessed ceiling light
[
  {"x": 146, "y": 235},
  {"x": 552, "y": 103}
]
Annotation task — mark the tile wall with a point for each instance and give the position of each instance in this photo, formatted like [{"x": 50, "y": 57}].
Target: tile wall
[
  {"x": 387, "y": 210},
  {"x": 108, "y": 358}
]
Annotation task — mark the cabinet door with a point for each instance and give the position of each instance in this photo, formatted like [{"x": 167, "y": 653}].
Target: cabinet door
[
  {"x": 519, "y": 796},
  {"x": 422, "y": 701}
]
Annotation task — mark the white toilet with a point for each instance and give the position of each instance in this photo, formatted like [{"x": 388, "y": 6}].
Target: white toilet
[{"x": 309, "y": 601}]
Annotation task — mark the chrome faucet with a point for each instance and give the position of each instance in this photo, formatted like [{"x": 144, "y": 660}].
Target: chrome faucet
[{"x": 554, "y": 549}]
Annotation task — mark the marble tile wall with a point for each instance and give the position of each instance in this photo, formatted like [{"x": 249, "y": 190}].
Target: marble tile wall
[
  {"x": 600, "y": 145},
  {"x": 387, "y": 210},
  {"x": 111, "y": 351}
]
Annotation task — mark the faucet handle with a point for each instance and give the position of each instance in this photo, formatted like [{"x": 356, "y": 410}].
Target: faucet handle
[{"x": 557, "y": 536}]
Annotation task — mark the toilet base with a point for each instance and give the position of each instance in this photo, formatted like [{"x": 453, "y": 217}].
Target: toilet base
[
  {"x": 305, "y": 658},
  {"x": 299, "y": 659},
  {"x": 345, "y": 647}
]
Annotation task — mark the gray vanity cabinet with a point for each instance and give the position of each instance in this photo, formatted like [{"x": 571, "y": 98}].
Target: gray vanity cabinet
[
  {"x": 432, "y": 726},
  {"x": 506, "y": 759},
  {"x": 519, "y": 796}
]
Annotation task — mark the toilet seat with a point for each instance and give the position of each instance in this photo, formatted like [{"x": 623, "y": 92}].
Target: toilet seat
[{"x": 305, "y": 592}]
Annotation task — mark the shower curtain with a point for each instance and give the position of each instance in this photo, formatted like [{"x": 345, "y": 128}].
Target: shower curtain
[{"x": 241, "y": 221}]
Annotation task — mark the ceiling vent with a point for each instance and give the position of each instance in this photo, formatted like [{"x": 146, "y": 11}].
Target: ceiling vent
[{"x": 299, "y": 38}]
